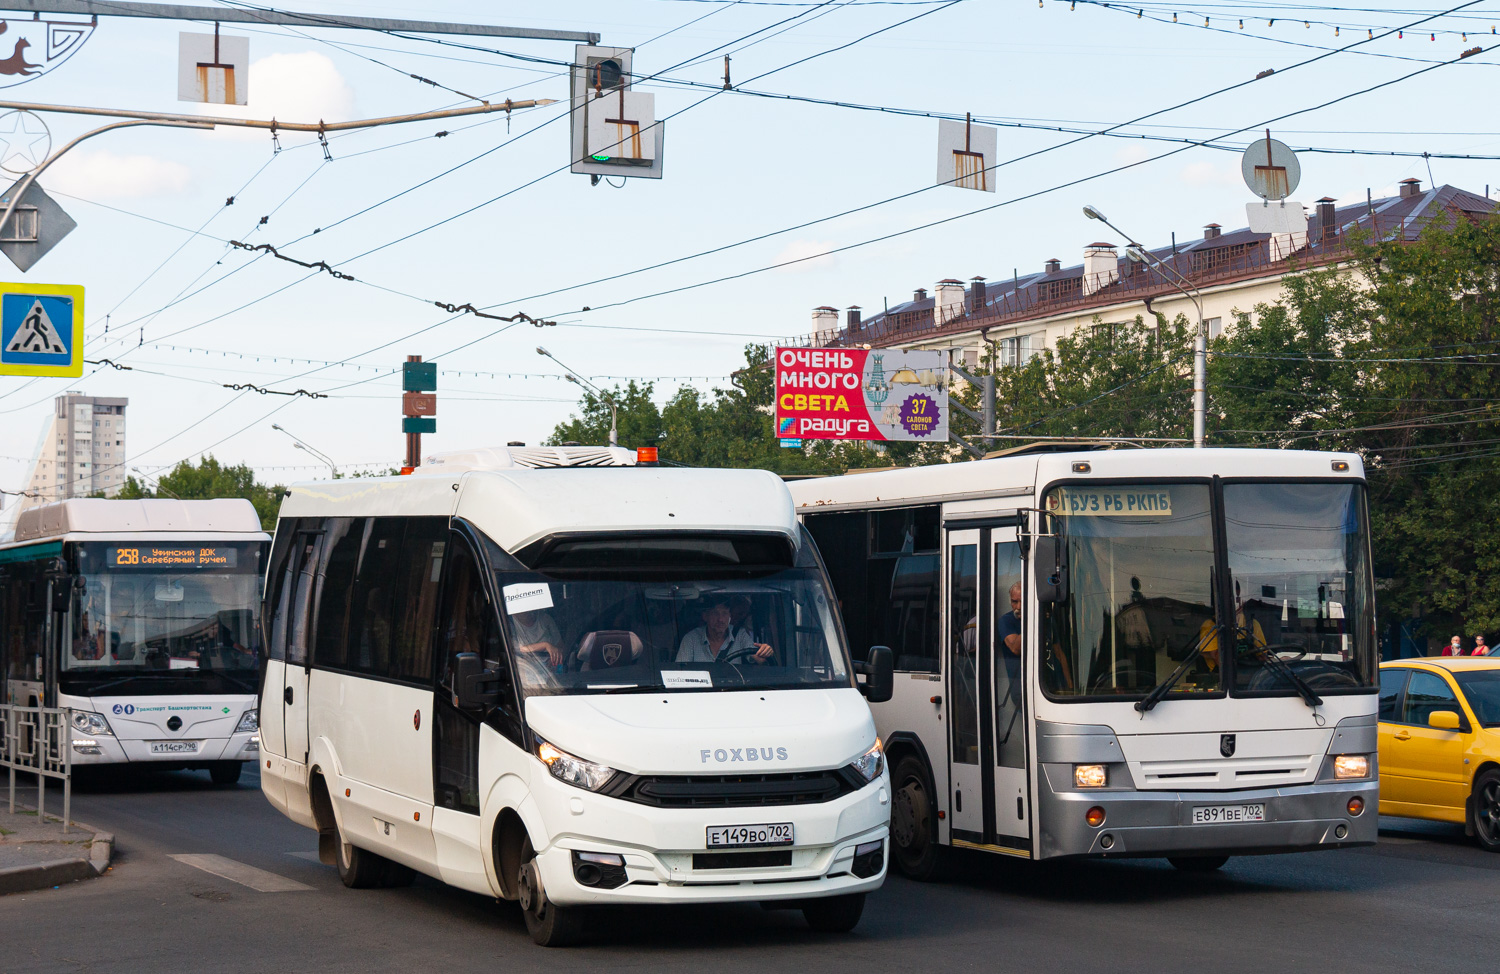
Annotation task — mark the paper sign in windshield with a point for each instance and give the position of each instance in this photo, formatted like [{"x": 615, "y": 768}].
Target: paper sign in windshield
[
  {"x": 527, "y": 597},
  {"x": 676, "y": 679},
  {"x": 1110, "y": 502}
]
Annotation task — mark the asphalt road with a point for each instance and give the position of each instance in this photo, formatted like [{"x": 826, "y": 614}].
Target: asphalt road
[{"x": 1423, "y": 899}]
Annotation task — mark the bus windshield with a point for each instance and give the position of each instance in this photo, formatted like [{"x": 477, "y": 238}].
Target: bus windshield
[
  {"x": 176, "y": 618},
  {"x": 600, "y": 632},
  {"x": 1146, "y": 595}
]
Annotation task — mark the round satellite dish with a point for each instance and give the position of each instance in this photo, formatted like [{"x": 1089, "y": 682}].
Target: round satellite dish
[
  {"x": 1270, "y": 169},
  {"x": 25, "y": 142}
]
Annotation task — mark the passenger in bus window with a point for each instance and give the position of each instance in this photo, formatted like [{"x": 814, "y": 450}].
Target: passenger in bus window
[
  {"x": 536, "y": 632},
  {"x": 714, "y": 639},
  {"x": 739, "y": 616}
]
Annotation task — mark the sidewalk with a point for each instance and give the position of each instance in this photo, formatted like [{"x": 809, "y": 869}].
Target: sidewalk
[{"x": 36, "y": 854}]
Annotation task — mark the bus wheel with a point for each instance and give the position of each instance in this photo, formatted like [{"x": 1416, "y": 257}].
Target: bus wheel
[
  {"x": 834, "y": 914},
  {"x": 1198, "y": 864},
  {"x": 912, "y": 846},
  {"x": 550, "y": 925},
  {"x": 225, "y": 772},
  {"x": 360, "y": 869},
  {"x": 1484, "y": 810}
]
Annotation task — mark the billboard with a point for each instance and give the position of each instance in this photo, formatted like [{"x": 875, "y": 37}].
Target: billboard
[{"x": 861, "y": 394}]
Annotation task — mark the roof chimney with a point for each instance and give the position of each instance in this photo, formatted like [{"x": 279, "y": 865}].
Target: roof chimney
[
  {"x": 1053, "y": 265},
  {"x": 950, "y": 300},
  {"x": 852, "y": 321},
  {"x": 978, "y": 300},
  {"x": 1101, "y": 266},
  {"x": 825, "y": 324},
  {"x": 1211, "y": 231},
  {"x": 1411, "y": 187},
  {"x": 1327, "y": 221},
  {"x": 920, "y": 294}
]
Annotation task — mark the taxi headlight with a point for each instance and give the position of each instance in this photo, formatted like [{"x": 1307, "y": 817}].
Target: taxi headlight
[
  {"x": 573, "y": 770},
  {"x": 871, "y": 763},
  {"x": 249, "y": 721},
  {"x": 1351, "y": 766},
  {"x": 1090, "y": 776},
  {"x": 92, "y": 724}
]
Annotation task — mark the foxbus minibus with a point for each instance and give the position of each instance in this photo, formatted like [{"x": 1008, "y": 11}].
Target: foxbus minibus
[
  {"x": 141, "y": 617},
  {"x": 1123, "y": 653},
  {"x": 571, "y": 686}
]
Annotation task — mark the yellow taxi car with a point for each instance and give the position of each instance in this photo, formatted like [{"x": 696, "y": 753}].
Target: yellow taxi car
[{"x": 1440, "y": 742}]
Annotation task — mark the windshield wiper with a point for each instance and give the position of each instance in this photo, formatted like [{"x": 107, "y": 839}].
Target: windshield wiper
[
  {"x": 1274, "y": 662},
  {"x": 1163, "y": 688}
]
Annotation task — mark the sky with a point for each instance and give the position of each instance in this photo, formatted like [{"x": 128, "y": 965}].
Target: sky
[{"x": 488, "y": 214}]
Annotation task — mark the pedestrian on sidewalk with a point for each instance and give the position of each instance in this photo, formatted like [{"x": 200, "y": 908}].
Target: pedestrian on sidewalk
[
  {"x": 1455, "y": 647},
  {"x": 1481, "y": 648}
]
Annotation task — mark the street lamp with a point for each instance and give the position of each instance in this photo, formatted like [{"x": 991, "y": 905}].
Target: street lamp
[
  {"x": 303, "y": 446},
  {"x": 1200, "y": 342},
  {"x": 576, "y": 379}
]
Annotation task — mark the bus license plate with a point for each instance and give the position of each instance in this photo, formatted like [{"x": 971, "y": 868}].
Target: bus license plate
[
  {"x": 1226, "y": 814},
  {"x": 720, "y": 836},
  {"x": 174, "y": 747}
]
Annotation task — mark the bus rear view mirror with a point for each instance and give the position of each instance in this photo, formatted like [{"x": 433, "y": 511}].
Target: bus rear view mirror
[
  {"x": 474, "y": 687},
  {"x": 1050, "y": 562},
  {"x": 880, "y": 680}
]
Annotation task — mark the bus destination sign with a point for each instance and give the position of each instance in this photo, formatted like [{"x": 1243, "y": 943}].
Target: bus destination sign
[
  {"x": 1111, "y": 502},
  {"x": 173, "y": 556}
]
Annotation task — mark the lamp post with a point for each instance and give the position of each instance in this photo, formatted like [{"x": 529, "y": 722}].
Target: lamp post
[
  {"x": 303, "y": 446},
  {"x": 1200, "y": 340},
  {"x": 576, "y": 379}
]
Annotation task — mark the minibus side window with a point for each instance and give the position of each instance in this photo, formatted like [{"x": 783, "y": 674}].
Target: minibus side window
[
  {"x": 375, "y": 597},
  {"x": 342, "y": 542},
  {"x": 308, "y": 548},
  {"x": 421, "y": 569}
]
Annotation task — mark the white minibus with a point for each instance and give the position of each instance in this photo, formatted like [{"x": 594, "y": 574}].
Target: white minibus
[
  {"x": 1117, "y": 653},
  {"x": 556, "y": 677},
  {"x": 140, "y": 616}
]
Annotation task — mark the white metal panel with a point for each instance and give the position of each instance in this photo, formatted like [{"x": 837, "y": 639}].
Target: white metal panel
[
  {"x": 97, "y": 515},
  {"x": 372, "y": 497}
]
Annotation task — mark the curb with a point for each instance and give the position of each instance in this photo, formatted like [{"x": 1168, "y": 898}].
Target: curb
[{"x": 43, "y": 875}]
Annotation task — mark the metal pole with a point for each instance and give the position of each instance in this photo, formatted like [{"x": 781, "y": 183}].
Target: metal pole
[
  {"x": 209, "y": 121},
  {"x": 988, "y": 389},
  {"x": 574, "y": 377}
]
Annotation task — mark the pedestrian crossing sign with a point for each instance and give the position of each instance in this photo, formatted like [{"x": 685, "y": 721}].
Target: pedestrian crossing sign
[{"x": 41, "y": 329}]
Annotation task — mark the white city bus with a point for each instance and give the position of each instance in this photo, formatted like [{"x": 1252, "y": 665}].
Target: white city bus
[
  {"x": 553, "y": 685},
  {"x": 1189, "y": 672},
  {"x": 140, "y": 616}
]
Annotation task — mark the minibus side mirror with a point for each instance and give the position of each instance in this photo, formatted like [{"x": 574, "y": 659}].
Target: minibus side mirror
[
  {"x": 474, "y": 687},
  {"x": 1049, "y": 560},
  {"x": 1444, "y": 720},
  {"x": 880, "y": 681}
]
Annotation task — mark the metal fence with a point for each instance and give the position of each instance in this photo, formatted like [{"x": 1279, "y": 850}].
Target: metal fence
[{"x": 38, "y": 740}]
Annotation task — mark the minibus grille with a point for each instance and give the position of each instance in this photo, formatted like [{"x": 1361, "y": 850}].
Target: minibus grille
[{"x": 734, "y": 790}]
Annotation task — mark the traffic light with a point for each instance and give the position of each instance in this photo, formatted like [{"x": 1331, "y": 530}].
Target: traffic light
[{"x": 614, "y": 129}]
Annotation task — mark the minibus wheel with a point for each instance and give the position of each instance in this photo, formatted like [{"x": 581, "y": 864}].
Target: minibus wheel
[
  {"x": 550, "y": 925},
  {"x": 834, "y": 914},
  {"x": 912, "y": 846},
  {"x": 360, "y": 869},
  {"x": 1198, "y": 864}
]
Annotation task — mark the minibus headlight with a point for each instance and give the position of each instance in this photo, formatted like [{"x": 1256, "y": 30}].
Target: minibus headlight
[
  {"x": 1090, "y": 776},
  {"x": 871, "y": 763},
  {"x": 249, "y": 722},
  {"x": 1351, "y": 766},
  {"x": 573, "y": 770},
  {"x": 91, "y": 724}
]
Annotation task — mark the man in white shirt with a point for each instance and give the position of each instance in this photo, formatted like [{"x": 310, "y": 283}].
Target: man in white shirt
[
  {"x": 714, "y": 640},
  {"x": 535, "y": 632}
]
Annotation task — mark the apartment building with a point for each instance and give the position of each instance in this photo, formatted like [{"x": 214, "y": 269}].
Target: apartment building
[{"x": 82, "y": 452}]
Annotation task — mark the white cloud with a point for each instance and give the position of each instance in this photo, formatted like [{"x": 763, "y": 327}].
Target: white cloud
[
  {"x": 804, "y": 252},
  {"x": 108, "y": 175},
  {"x": 303, "y": 87}
]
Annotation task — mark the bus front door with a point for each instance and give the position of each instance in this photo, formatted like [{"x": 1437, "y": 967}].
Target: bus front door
[
  {"x": 987, "y": 720},
  {"x": 308, "y": 555}
]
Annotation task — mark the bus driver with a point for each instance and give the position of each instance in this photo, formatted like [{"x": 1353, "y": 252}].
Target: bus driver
[{"x": 714, "y": 638}]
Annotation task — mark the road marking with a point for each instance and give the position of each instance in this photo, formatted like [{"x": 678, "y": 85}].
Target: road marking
[{"x": 237, "y": 872}]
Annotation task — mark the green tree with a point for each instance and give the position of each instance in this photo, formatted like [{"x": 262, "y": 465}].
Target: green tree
[{"x": 210, "y": 479}]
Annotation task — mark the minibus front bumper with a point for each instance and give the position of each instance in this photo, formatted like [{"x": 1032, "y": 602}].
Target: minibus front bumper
[
  {"x": 1141, "y": 824},
  {"x": 663, "y": 849}
]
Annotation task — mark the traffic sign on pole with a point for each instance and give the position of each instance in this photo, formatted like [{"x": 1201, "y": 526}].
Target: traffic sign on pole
[{"x": 41, "y": 329}]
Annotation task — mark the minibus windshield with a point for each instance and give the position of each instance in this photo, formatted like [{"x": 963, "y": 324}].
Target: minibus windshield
[{"x": 600, "y": 631}]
